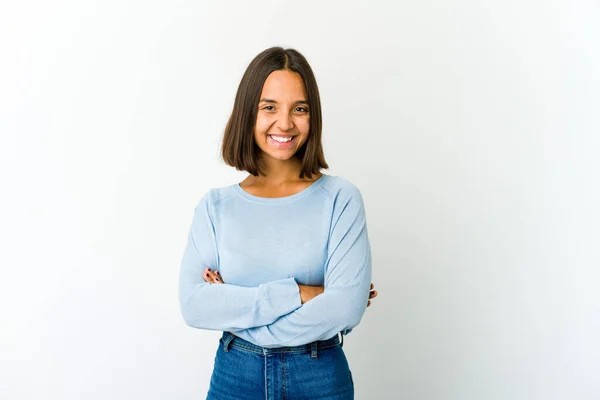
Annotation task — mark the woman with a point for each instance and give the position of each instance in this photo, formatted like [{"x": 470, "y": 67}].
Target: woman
[{"x": 281, "y": 262}]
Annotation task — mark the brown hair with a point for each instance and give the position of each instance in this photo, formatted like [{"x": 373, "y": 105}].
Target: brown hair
[{"x": 239, "y": 149}]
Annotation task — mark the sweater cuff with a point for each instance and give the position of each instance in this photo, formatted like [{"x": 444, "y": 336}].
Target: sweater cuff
[{"x": 282, "y": 295}]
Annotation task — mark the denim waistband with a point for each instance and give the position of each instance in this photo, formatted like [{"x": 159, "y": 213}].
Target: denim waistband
[{"x": 230, "y": 340}]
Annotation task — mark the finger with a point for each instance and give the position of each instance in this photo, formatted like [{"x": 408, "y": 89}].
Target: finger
[
  {"x": 372, "y": 286},
  {"x": 373, "y": 294},
  {"x": 369, "y": 303},
  {"x": 209, "y": 275},
  {"x": 216, "y": 278}
]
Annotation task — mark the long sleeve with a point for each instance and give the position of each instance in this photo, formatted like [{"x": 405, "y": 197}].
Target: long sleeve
[
  {"x": 223, "y": 306},
  {"x": 347, "y": 285}
]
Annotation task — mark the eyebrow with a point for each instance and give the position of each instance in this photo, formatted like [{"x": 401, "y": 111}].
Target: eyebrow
[{"x": 273, "y": 101}]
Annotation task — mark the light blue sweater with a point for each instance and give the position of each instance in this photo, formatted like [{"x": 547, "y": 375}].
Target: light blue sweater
[{"x": 263, "y": 248}]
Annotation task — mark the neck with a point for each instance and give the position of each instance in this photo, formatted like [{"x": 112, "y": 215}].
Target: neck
[{"x": 278, "y": 171}]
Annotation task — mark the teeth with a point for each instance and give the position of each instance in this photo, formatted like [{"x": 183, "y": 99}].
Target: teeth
[{"x": 280, "y": 139}]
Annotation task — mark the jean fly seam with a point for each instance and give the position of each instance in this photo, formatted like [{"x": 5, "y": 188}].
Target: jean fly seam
[
  {"x": 284, "y": 365},
  {"x": 266, "y": 379}
]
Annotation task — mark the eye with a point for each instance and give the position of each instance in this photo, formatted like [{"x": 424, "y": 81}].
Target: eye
[
  {"x": 302, "y": 110},
  {"x": 268, "y": 108}
]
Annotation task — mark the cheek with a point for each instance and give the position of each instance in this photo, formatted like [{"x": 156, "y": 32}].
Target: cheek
[
  {"x": 303, "y": 125},
  {"x": 262, "y": 125}
]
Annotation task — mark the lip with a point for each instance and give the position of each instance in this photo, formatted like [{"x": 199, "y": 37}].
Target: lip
[{"x": 285, "y": 145}]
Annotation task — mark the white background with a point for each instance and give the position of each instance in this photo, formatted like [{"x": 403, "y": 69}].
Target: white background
[{"x": 471, "y": 127}]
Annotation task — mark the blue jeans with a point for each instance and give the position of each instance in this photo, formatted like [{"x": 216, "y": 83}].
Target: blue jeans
[{"x": 318, "y": 370}]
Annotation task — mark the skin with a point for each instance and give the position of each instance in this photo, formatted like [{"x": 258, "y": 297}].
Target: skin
[{"x": 282, "y": 111}]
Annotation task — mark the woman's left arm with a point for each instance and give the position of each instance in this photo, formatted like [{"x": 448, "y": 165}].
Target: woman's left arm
[{"x": 347, "y": 283}]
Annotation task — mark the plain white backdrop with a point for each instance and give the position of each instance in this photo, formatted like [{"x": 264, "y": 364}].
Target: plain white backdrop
[{"x": 472, "y": 129}]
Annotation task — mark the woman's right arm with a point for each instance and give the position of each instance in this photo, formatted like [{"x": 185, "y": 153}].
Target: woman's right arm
[{"x": 225, "y": 307}]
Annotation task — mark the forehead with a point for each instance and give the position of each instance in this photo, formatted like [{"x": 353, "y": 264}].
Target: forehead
[{"x": 283, "y": 83}]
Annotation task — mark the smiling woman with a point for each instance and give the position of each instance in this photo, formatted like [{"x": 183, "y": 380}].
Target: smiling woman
[
  {"x": 282, "y": 123},
  {"x": 278, "y": 96},
  {"x": 280, "y": 262}
]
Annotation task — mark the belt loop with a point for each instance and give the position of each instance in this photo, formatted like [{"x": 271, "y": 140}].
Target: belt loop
[
  {"x": 313, "y": 349},
  {"x": 227, "y": 340},
  {"x": 342, "y": 341}
]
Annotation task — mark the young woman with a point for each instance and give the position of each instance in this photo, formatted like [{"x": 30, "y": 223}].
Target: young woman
[{"x": 281, "y": 262}]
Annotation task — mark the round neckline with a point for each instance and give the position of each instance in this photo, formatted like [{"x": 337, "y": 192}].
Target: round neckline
[{"x": 307, "y": 190}]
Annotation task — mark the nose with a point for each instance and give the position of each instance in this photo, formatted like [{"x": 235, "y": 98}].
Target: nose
[{"x": 284, "y": 122}]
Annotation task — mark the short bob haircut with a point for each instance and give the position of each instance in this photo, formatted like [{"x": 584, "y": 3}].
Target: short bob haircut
[{"x": 239, "y": 149}]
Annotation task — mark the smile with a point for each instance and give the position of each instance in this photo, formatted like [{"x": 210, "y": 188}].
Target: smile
[{"x": 282, "y": 141}]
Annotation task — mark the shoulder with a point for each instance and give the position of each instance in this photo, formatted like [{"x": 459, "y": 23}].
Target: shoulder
[
  {"x": 347, "y": 206},
  {"x": 339, "y": 187},
  {"x": 215, "y": 197},
  {"x": 346, "y": 198}
]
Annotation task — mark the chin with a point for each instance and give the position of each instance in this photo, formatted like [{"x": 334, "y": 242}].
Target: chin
[{"x": 281, "y": 157}]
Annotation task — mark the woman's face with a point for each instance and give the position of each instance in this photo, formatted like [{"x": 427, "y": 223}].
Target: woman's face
[{"x": 282, "y": 121}]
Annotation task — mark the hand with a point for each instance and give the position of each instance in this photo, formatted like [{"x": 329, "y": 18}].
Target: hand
[
  {"x": 309, "y": 292},
  {"x": 212, "y": 276},
  {"x": 372, "y": 294}
]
